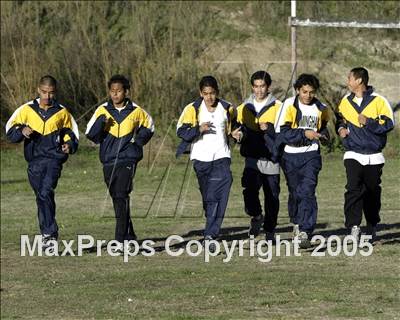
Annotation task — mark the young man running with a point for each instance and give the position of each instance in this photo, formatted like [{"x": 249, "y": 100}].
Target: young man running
[
  {"x": 121, "y": 128},
  {"x": 204, "y": 126},
  {"x": 304, "y": 124},
  {"x": 256, "y": 117},
  {"x": 364, "y": 119},
  {"x": 50, "y": 134}
]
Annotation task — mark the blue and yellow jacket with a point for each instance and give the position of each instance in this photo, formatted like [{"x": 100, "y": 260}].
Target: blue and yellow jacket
[
  {"x": 121, "y": 134},
  {"x": 188, "y": 123},
  {"x": 51, "y": 129},
  {"x": 370, "y": 138},
  {"x": 291, "y": 134},
  {"x": 256, "y": 143}
]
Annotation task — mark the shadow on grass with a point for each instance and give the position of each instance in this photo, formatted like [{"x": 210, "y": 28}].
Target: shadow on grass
[
  {"x": 12, "y": 181},
  {"x": 241, "y": 233}
]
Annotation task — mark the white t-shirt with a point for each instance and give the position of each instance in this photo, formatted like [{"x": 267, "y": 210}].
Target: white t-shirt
[
  {"x": 259, "y": 105},
  {"x": 365, "y": 159},
  {"x": 358, "y": 100},
  {"x": 209, "y": 146},
  {"x": 308, "y": 121}
]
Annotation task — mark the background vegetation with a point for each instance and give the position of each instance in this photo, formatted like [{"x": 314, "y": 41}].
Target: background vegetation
[{"x": 165, "y": 47}]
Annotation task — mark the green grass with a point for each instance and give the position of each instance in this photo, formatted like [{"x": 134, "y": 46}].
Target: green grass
[{"x": 165, "y": 287}]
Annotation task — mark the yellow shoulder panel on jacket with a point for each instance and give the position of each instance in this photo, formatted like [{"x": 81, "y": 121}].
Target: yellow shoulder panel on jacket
[
  {"x": 290, "y": 116},
  {"x": 378, "y": 107},
  {"x": 137, "y": 118},
  {"x": 269, "y": 115},
  {"x": 188, "y": 116},
  {"x": 325, "y": 115},
  {"x": 112, "y": 125},
  {"x": 348, "y": 112},
  {"x": 239, "y": 113},
  {"x": 57, "y": 121},
  {"x": 32, "y": 119}
]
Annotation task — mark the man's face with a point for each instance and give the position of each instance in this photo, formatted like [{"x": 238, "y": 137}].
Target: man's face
[
  {"x": 306, "y": 94},
  {"x": 47, "y": 94},
  {"x": 260, "y": 89},
  {"x": 117, "y": 93},
  {"x": 209, "y": 95},
  {"x": 352, "y": 83}
]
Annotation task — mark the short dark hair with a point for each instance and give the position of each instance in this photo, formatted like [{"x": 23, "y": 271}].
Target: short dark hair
[
  {"x": 119, "y": 78},
  {"x": 261, "y": 75},
  {"x": 361, "y": 73},
  {"x": 306, "y": 79},
  {"x": 208, "y": 81},
  {"x": 48, "y": 80}
]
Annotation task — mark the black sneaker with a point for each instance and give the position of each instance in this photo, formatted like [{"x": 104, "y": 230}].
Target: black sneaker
[
  {"x": 211, "y": 246},
  {"x": 371, "y": 231},
  {"x": 255, "y": 225},
  {"x": 270, "y": 236}
]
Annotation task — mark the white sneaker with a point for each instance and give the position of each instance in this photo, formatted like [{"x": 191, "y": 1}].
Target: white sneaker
[
  {"x": 355, "y": 233},
  {"x": 48, "y": 242},
  {"x": 296, "y": 230},
  {"x": 304, "y": 241}
]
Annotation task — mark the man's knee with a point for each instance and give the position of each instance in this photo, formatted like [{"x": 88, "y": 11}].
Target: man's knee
[{"x": 45, "y": 192}]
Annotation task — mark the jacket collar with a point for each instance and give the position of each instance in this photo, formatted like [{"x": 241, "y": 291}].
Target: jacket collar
[
  {"x": 129, "y": 105},
  {"x": 197, "y": 103},
  {"x": 367, "y": 98},
  {"x": 249, "y": 104}
]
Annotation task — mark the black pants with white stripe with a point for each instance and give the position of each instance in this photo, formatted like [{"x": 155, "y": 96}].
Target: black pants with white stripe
[
  {"x": 119, "y": 180},
  {"x": 363, "y": 193}
]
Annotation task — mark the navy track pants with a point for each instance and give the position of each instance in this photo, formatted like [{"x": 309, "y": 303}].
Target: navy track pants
[
  {"x": 43, "y": 175},
  {"x": 301, "y": 171},
  {"x": 215, "y": 180}
]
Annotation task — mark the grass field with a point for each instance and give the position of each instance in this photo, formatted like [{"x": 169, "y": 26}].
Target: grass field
[{"x": 166, "y": 287}]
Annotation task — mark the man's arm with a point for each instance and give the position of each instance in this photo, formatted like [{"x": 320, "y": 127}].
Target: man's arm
[
  {"x": 70, "y": 135},
  {"x": 187, "y": 128},
  {"x": 146, "y": 128},
  {"x": 381, "y": 124},
  {"x": 16, "y": 129},
  {"x": 95, "y": 127}
]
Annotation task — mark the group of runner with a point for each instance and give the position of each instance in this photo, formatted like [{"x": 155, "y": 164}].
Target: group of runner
[{"x": 273, "y": 135}]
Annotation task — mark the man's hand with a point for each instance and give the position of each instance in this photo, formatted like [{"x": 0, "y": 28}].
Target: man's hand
[
  {"x": 343, "y": 132},
  {"x": 110, "y": 122},
  {"x": 65, "y": 148},
  {"x": 206, "y": 127},
  {"x": 237, "y": 134},
  {"x": 312, "y": 135},
  {"x": 362, "y": 119},
  {"x": 26, "y": 131},
  {"x": 263, "y": 126}
]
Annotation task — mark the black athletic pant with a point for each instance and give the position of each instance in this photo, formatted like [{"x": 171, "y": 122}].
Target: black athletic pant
[
  {"x": 363, "y": 193},
  {"x": 252, "y": 181},
  {"x": 119, "y": 180}
]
